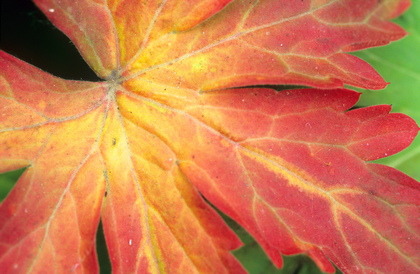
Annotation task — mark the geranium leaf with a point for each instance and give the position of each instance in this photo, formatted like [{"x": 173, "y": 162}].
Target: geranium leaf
[
  {"x": 49, "y": 207},
  {"x": 140, "y": 221},
  {"x": 398, "y": 64},
  {"x": 246, "y": 43},
  {"x": 141, "y": 149}
]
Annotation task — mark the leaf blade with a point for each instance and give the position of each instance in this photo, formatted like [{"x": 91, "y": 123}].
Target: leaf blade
[
  {"x": 301, "y": 171},
  {"x": 178, "y": 229},
  {"x": 156, "y": 92},
  {"x": 291, "y": 47}
]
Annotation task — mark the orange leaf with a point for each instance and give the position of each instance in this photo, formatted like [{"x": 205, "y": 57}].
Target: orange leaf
[
  {"x": 246, "y": 43},
  {"x": 139, "y": 149},
  {"x": 78, "y": 154}
]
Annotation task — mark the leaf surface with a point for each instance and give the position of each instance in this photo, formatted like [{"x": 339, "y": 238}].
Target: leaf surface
[
  {"x": 398, "y": 64},
  {"x": 140, "y": 221},
  {"x": 141, "y": 149},
  {"x": 246, "y": 43}
]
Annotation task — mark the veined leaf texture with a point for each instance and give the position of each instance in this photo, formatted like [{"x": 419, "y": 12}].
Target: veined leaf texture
[{"x": 181, "y": 115}]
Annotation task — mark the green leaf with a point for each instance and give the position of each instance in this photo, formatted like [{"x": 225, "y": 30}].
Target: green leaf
[{"x": 8, "y": 180}]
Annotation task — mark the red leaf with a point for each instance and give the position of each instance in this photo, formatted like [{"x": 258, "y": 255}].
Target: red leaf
[
  {"x": 141, "y": 148},
  {"x": 50, "y": 217},
  {"x": 246, "y": 43},
  {"x": 298, "y": 184}
]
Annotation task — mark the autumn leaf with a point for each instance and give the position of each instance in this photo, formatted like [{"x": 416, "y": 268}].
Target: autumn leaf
[
  {"x": 174, "y": 124},
  {"x": 398, "y": 64}
]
